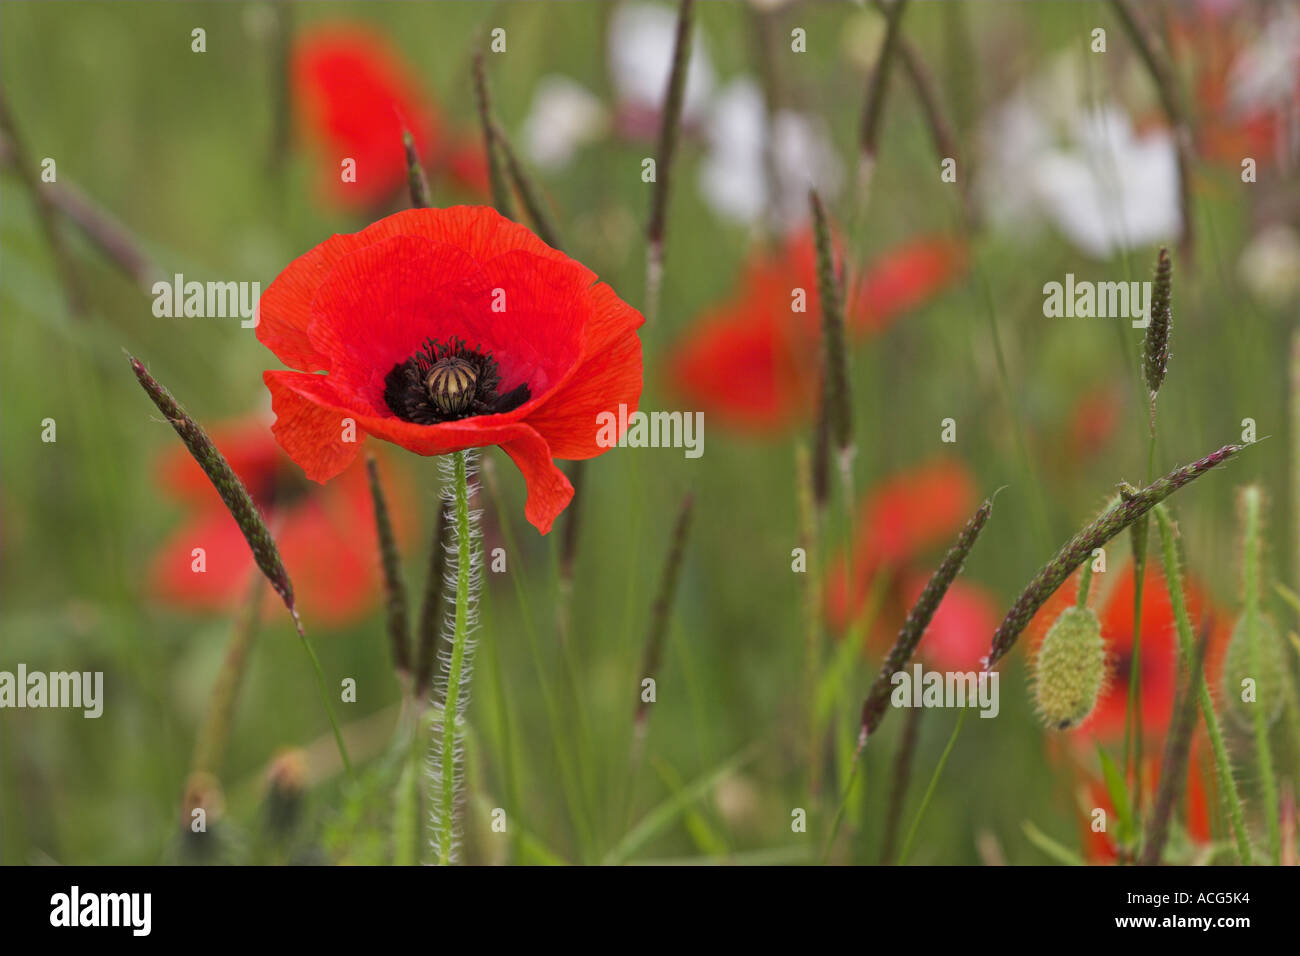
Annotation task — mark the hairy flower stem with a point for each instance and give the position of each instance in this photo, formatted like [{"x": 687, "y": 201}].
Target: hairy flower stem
[
  {"x": 456, "y": 668},
  {"x": 1173, "y": 765},
  {"x": 1085, "y": 585},
  {"x": 1133, "y": 712},
  {"x": 1250, "y": 500},
  {"x": 1295, "y": 442},
  {"x": 1129, "y": 508},
  {"x": 1178, "y": 601},
  {"x": 428, "y": 635}
]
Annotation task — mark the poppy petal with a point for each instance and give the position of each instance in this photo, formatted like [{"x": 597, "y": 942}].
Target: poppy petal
[
  {"x": 549, "y": 491},
  {"x": 609, "y": 376},
  {"x": 311, "y": 433}
]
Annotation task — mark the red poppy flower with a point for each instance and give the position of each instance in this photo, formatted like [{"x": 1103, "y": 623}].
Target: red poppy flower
[
  {"x": 958, "y": 635},
  {"x": 1099, "y": 848},
  {"x": 1226, "y": 132},
  {"x": 904, "y": 278},
  {"x": 752, "y": 361},
  {"x": 446, "y": 329},
  {"x": 1113, "y": 601},
  {"x": 326, "y": 537},
  {"x": 1093, "y": 422},
  {"x": 900, "y": 521},
  {"x": 355, "y": 94}
]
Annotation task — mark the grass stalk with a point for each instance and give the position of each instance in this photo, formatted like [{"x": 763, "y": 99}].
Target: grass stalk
[
  {"x": 1222, "y": 764},
  {"x": 1173, "y": 765},
  {"x": 899, "y": 780},
  {"x": 501, "y": 198},
  {"x": 1131, "y": 506},
  {"x": 240, "y": 505},
  {"x": 929, "y": 790},
  {"x": 1251, "y": 507},
  {"x": 395, "y": 604},
  {"x": 669, "y": 130},
  {"x": 210, "y": 746}
]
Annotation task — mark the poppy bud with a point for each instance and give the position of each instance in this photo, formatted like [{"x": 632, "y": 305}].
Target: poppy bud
[
  {"x": 1267, "y": 685},
  {"x": 1070, "y": 669}
]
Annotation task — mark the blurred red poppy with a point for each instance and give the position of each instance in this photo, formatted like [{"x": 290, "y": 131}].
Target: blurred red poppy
[
  {"x": 752, "y": 361},
  {"x": 1113, "y": 602},
  {"x": 1211, "y": 40},
  {"x": 354, "y": 94},
  {"x": 901, "y": 520},
  {"x": 1099, "y": 847},
  {"x": 326, "y": 536},
  {"x": 1093, "y": 421},
  {"x": 447, "y": 329}
]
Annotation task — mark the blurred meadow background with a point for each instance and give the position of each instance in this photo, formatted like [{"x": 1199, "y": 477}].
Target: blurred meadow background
[{"x": 212, "y": 166}]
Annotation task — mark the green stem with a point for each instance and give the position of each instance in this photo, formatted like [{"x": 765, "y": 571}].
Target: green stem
[
  {"x": 210, "y": 748},
  {"x": 324, "y": 695},
  {"x": 929, "y": 791},
  {"x": 1186, "y": 643},
  {"x": 1133, "y": 715},
  {"x": 1267, "y": 783},
  {"x": 451, "y": 717},
  {"x": 1085, "y": 585},
  {"x": 408, "y": 819}
]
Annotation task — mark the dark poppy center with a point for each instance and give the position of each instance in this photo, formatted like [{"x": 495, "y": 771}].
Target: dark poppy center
[
  {"x": 443, "y": 382},
  {"x": 279, "y": 488}
]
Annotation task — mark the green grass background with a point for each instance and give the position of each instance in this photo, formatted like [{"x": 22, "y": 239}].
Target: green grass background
[{"x": 176, "y": 145}]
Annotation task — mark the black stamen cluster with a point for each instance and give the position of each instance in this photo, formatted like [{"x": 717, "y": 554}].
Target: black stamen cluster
[{"x": 406, "y": 389}]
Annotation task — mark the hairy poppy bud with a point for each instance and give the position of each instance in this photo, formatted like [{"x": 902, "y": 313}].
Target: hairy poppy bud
[
  {"x": 1266, "y": 689},
  {"x": 1070, "y": 669}
]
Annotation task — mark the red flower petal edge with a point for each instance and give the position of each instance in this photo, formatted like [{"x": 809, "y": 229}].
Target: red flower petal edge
[{"x": 358, "y": 306}]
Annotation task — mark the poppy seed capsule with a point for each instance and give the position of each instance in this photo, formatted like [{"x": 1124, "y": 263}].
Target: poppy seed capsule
[
  {"x": 1070, "y": 669},
  {"x": 1267, "y": 685},
  {"x": 451, "y": 384}
]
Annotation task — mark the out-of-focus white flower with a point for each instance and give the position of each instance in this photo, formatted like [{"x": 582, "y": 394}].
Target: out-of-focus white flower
[
  {"x": 1110, "y": 190},
  {"x": 734, "y": 177},
  {"x": 1266, "y": 74},
  {"x": 1087, "y": 174},
  {"x": 563, "y": 117},
  {"x": 1270, "y": 265},
  {"x": 804, "y": 158},
  {"x": 641, "y": 38}
]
